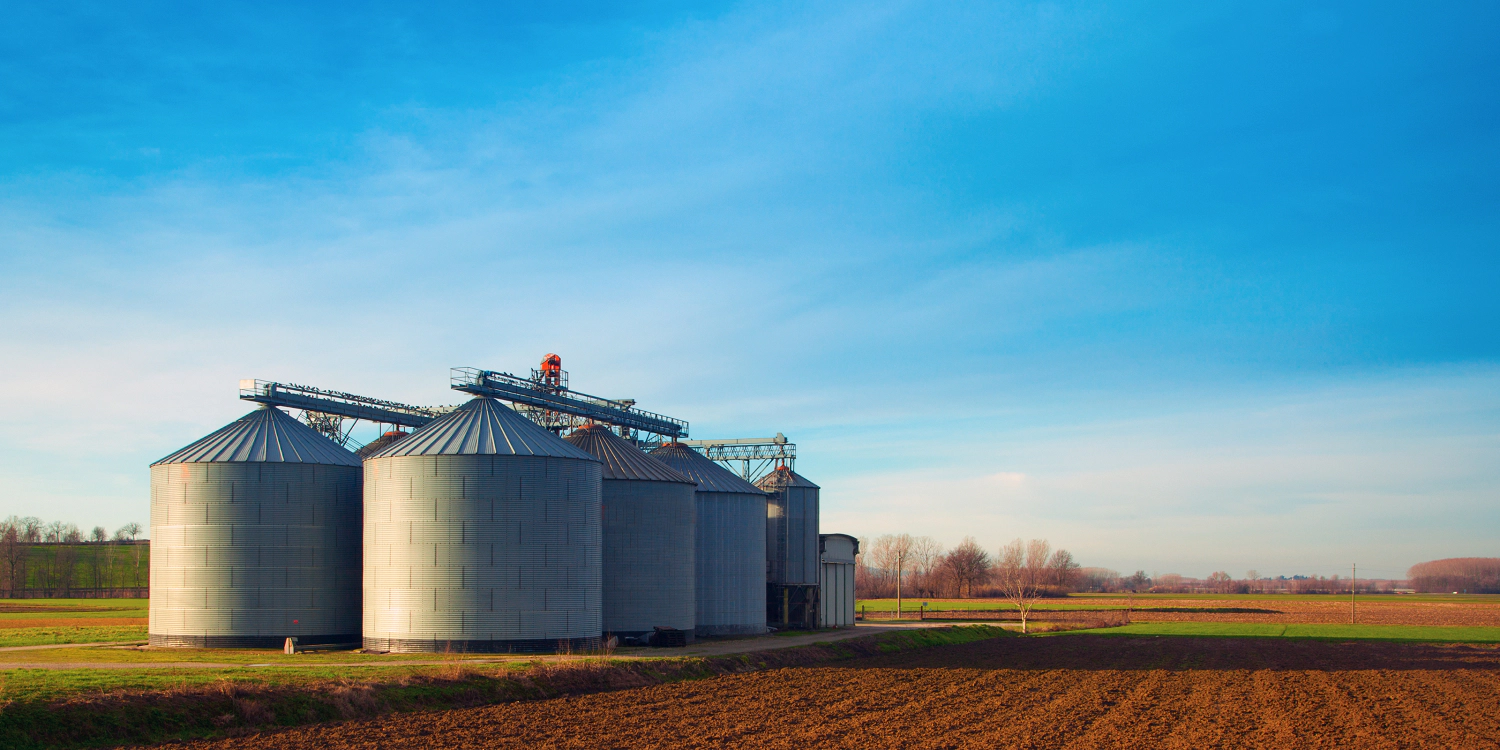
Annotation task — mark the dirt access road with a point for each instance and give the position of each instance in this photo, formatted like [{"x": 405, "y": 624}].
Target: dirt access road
[{"x": 1075, "y": 691}]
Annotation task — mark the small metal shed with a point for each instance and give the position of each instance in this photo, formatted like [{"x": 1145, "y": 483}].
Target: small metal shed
[{"x": 836, "y": 606}]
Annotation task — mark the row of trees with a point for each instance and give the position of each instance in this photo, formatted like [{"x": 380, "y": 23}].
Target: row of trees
[
  {"x": 33, "y": 530},
  {"x": 1103, "y": 580},
  {"x": 922, "y": 567},
  {"x": 1470, "y": 575},
  {"x": 55, "y": 558},
  {"x": 917, "y": 566}
]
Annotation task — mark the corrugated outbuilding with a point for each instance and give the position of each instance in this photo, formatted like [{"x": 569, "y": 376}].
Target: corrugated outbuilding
[
  {"x": 255, "y": 538},
  {"x": 482, "y": 533},
  {"x": 730, "y": 547},
  {"x": 649, "y": 518},
  {"x": 839, "y": 553}
]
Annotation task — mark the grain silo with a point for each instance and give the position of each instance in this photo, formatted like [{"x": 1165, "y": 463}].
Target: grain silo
[
  {"x": 482, "y": 533},
  {"x": 791, "y": 548},
  {"x": 648, "y": 537},
  {"x": 379, "y": 444},
  {"x": 730, "y": 545},
  {"x": 255, "y": 538}
]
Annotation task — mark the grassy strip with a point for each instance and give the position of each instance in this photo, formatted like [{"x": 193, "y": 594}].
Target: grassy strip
[
  {"x": 168, "y": 706},
  {"x": 117, "y": 655},
  {"x": 1431, "y": 633},
  {"x": 67, "y": 609},
  {"x": 1117, "y": 601},
  {"x": 67, "y": 634}
]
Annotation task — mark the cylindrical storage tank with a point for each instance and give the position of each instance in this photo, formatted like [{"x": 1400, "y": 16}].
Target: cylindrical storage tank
[
  {"x": 255, "y": 538},
  {"x": 791, "y": 528},
  {"x": 730, "y": 544},
  {"x": 648, "y": 537},
  {"x": 482, "y": 534}
]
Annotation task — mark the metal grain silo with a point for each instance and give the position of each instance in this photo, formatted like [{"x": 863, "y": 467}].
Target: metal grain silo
[
  {"x": 381, "y": 443},
  {"x": 791, "y": 547},
  {"x": 255, "y": 538},
  {"x": 730, "y": 545},
  {"x": 482, "y": 533},
  {"x": 648, "y": 537}
]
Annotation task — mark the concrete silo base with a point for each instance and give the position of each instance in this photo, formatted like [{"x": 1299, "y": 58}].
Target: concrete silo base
[
  {"x": 246, "y": 641},
  {"x": 519, "y": 646}
]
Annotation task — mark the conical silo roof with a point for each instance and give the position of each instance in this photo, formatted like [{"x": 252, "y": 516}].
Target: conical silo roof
[
  {"x": 266, "y": 435},
  {"x": 381, "y": 443},
  {"x": 710, "y": 476},
  {"x": 621, "y": 459},
  {"x": 483, "y": 426},
  {"x": 782, "y": 478}
]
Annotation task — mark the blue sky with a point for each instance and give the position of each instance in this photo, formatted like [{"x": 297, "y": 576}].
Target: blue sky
[{"x": 1179, "y": 287}]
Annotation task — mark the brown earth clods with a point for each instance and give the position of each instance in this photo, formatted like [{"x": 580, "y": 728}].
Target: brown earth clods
[{"x": 1079, "y": 691}]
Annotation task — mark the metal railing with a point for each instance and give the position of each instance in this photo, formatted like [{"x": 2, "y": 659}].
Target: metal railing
[
  {"x": 337, "y": 403},
  {"x": 507, "y": 387}
]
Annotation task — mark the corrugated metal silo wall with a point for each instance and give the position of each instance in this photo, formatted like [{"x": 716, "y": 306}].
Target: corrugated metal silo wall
[
  {"x": 792, "y": 535},
  {"x": 491, "y": 553},
  {"x": 245, "y": 554},
  {"x": 648, "y": 556},
  {"x": 731, "y": 563}
]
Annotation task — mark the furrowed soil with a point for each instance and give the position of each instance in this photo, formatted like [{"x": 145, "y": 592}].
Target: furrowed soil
[{"x": 1075, "y": 691}]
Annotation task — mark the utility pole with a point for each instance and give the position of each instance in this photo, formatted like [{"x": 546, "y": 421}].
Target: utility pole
[
  {"x": 1353, "y": 569},
  {"x": 900, "y": 558}
]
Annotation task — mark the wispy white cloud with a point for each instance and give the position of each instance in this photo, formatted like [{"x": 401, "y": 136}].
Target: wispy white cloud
[{"x": 1377, "y": 471}]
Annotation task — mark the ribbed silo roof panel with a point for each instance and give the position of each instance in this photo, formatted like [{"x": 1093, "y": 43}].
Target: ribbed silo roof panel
[
  {"x": 710, "y": 476},
  {"x": 265, "y": 435},
  {"x": 621, "y": 459},
  {"x": 782, "y": 478},
  {"x": 381, "y": 443},
  {"x": 483, "y": 426}
]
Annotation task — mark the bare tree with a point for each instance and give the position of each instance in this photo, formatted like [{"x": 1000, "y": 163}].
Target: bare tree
[
  {"x": 65, "y": 565},
  {"x": 31, "y": 529},
  {"x": 12, "y": 557},
  {"x": 926, "y": 564},
  {"x": 886, "y": 561},
  {"x": 1023, "y": 574},
  {"x": 1220, "y": 582},
  {"x": 1064, "y": 570},
  {"x": 968, "y": 565},
  {"x": 128, "y": 533},
  {"x": 98, "y": 535}
]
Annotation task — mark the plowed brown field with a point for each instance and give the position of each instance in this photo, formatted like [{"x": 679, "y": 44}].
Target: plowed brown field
[{"x": 1068, "y": 691}]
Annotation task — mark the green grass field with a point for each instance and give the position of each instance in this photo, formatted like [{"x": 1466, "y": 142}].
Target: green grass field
[
  {"x": 1325, "y": 632},
  {"x": 59, "y": 621},
  {"x": 30, "y": 609},
  {"x": 64, "y": 634}
]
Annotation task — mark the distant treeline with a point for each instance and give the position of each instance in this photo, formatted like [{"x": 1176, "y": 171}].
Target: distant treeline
[
  {"x": 1104, "y": 580},
  {"x": 55, "y": 559},
  {"x": 918, "y": 566},
  {"x": 1468, "y": 575}
]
